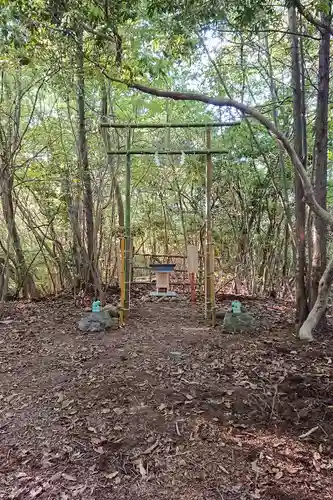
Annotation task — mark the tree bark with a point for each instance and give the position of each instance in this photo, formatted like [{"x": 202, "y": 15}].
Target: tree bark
[
  {"x": 319, "y": 308},
  {"x": 319, "y": 230},
  {"x": 107, "y": 145},
  {"x": 92, "y": 277},
  {"x": 323, "y": 27},
  {"x": 25, "y": 280},
  {"x": 301, "y": 293},
  {"x": 78, "y": 250},
  {"x": 284, "y": 194}
]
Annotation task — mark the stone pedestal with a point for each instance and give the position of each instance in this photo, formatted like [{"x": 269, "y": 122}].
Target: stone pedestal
[
  {"x": 97, "y": 322},
  {"x": 236, "y": 323}
]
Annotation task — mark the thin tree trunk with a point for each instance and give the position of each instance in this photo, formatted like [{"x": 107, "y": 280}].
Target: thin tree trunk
[
  {"x": 274, "y": 97},
  {"x": 107, "y": 145},
  {"x": 301, "y": 295},
  {"x": 319, "y": 230},
  {"x": 285, "y": 251},
  {"x": 91, "y": 270},
  {"x": 320, "y": 305},
  {"x": 165, "y": 225},
  {"x": 24, "y": 277},
  {"x": 78, "y": 250}
]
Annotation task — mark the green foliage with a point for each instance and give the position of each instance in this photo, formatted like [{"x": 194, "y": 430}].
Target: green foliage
[
  {"x": 159, "y": 42},
  {"x": 190, "y": 14}
]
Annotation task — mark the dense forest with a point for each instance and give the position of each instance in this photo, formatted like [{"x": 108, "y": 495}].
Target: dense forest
[
  {"x": 166, "y": 258},
  {"x": 68, "y": 68}
]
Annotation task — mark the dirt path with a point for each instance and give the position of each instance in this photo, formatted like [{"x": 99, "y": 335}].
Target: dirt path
[{"x": 163, "y": 409}]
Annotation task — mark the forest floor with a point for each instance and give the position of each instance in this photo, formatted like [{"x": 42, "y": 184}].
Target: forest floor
[{"x": 164, "y": 408}]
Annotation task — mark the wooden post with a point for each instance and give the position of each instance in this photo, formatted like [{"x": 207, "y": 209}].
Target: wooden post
[
  {"x": 192, "y": 268},
  {"x": 212, "y": 260},
  {"x": 192, "y": 286},
  {"x": 209, "y": 272},
  {"x": 122, "y": 278},
  {"x": 128, "y": 245}
]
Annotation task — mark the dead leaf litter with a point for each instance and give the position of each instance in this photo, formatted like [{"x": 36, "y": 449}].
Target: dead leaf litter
[{"x": 165, "y": 408}]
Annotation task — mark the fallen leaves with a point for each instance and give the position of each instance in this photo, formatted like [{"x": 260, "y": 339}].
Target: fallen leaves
[
  {"x": 60, "y": 396},
  {"x": 316, "y": 465},
  {"x": 118, "y": 411},
  {"x": 151, "y": 448},
  {"x": 254, "y": 467},
  {"x": 10, "y": 397},
  {"x": 35, "y": 492},
  {"x": 110, "y": 475},
  {"x": 55, "y": 477},
  {"x": 223, "y": 469},
  {"x": 278, "y": 475},
  {"x": 96, "y": 441},
  {"x": 20, "y": 475},
  {"x": 309, "y": 432},
  {"x": 99, "y": 450},
  {"x": 132, "y": 422},
  {"x": 68, "y": 477},
  {"x": 142, "y": 470},
  {"x": 78, "y": 490}
]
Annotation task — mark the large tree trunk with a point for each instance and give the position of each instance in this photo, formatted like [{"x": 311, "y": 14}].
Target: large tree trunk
[
  {"x": 319, "y": 230},
  {"x": 320, "y": 305},
  {"x": 301, "y": 295},
  {"x": 92, "y": 276}
]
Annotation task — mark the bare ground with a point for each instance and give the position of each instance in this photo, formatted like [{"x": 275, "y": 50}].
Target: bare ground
[{"x": 162, "y": 409}]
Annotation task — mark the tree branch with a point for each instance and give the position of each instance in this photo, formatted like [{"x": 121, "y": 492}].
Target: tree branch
[
  {"x": 322, "y": 26},
  {"x": 309, "y": 195}
]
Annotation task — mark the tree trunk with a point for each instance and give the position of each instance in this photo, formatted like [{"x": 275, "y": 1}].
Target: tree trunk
[
  {"x": 107, "y": 145},
  {"x": 165, "y": 225},
  {"x": 78, "y": 250},
  {"x": 301, "y": 295},
  {"x": 319, "y": 230},
  {"x": 320, "y": 305},
  {"x": 91, "y": 270},
  {"x": 24, "y": 278},
  {"x": 274, "y": 97}
]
